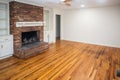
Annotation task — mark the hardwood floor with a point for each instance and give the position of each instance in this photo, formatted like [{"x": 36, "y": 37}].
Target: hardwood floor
[{"x": 65, "y": 60}]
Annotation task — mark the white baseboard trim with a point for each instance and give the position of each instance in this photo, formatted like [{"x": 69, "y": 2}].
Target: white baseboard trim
[{"x": 6, "y": 56}]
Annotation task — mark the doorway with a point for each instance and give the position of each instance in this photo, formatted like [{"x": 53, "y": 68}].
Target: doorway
[{"x": 58, "y": 27}]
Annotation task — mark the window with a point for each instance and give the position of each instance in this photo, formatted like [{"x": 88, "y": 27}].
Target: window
[{"x": 3, "y": 19}]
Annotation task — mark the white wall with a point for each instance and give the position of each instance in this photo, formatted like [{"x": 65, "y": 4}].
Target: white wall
[
  {"x": 4, "y": 1},
  {"x": 95, "y": 25}
]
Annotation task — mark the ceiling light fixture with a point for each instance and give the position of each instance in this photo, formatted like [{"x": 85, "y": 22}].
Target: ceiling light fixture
[
  {"x": 82, "y": 5},
  {"x": 62, "y": 0}
]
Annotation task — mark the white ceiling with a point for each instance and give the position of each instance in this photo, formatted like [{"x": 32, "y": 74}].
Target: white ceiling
[{"x": 75, "y": 4}]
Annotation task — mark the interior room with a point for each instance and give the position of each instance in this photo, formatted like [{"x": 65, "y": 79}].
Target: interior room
[{"x": 59, "y": 39}]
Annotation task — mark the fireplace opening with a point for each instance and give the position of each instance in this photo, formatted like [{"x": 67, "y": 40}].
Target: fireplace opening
[{"x": 30, "y": 37}]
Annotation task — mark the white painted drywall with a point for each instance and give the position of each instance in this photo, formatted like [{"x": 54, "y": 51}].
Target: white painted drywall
[
  {"x": 94, "y": 25},
  {"x": 4, "y": 1}
]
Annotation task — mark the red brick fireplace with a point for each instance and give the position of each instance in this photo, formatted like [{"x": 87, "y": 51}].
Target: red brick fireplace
[{"x": 21, "y": 12}]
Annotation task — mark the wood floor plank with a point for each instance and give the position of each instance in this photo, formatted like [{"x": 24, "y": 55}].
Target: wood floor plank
[
  {"x": 65, "y": 60},
  {"x": 49, "y": 65}
]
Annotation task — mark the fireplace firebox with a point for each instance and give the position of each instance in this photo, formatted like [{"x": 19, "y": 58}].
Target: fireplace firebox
[{"x": 30, "y": 37}]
